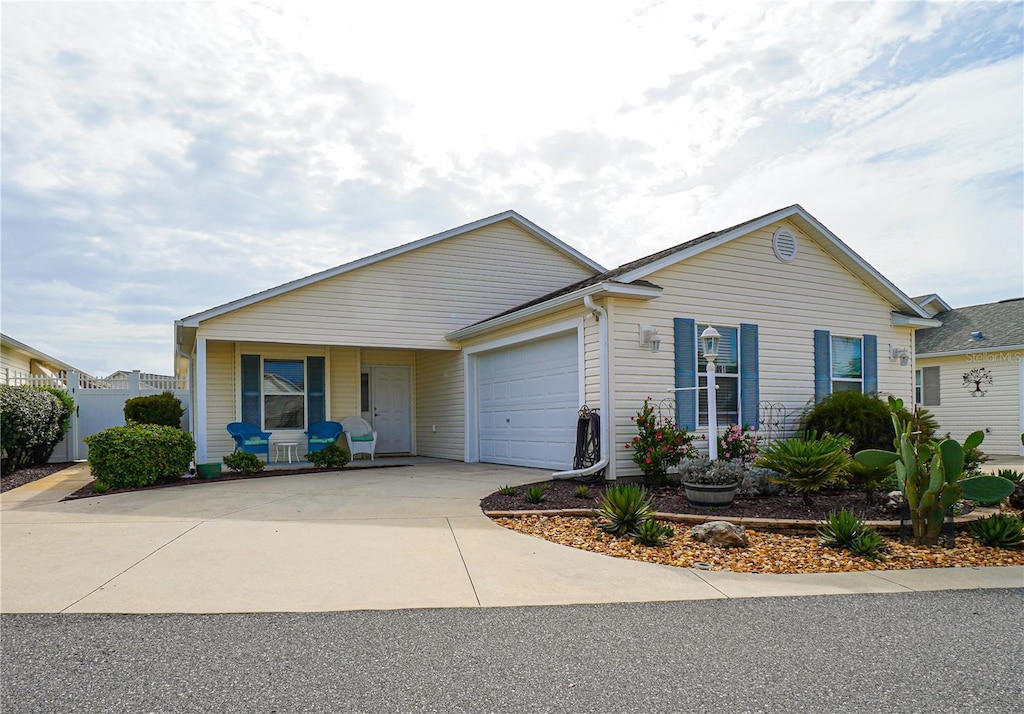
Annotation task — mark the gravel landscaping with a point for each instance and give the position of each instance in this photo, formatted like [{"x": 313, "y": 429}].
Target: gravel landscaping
[{"x": 768, "y": 552}]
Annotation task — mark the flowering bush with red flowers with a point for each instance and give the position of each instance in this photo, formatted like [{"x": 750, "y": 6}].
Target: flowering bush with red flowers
[
  {"x": 737, "y": 444},
  {"x": 658, "y": 445}
]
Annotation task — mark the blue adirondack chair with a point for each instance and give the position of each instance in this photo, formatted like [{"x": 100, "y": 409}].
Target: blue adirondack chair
[
  {"x": 250, "y": 439},
  {"x": 321, "y": 434}
]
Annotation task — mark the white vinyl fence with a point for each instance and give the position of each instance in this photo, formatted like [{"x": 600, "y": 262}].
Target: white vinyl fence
[{"x": 99, "y": 403}]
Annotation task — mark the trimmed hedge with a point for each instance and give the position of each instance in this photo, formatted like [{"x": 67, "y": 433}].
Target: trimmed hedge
[
  {"x": 32, "y": 422},
  {"x": 164, "y": 409},
  {"x": 42, "y": 453},
  {"x": 139, "y": 455}
]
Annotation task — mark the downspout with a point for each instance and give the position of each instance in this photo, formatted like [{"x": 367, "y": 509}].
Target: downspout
[{"x": 601, "y": 315}]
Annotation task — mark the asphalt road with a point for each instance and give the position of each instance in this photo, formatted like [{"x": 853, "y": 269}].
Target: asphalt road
[{"x": 954, "y": 651}]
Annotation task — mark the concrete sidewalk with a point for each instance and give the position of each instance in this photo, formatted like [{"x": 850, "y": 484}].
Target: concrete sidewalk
[{"x": 409, "y": 537}]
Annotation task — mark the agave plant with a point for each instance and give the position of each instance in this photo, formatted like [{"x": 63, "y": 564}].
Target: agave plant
[
  {"x": 535, "y": 494},
  {"x": 840, "y": 529},
  {"x": 807, "y": 465},
  {"x": 1000, "y": 530},
  {"x": 623, "y": 508},
  {"x": 653, "y": 534},
  {"x": 868, "y": 543}
]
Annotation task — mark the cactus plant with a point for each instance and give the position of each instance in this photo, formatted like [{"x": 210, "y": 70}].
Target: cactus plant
[{"x": 930, "y": 475}]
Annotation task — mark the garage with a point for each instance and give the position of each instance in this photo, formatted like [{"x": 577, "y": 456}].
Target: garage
[{"x": 528, "y": 400}]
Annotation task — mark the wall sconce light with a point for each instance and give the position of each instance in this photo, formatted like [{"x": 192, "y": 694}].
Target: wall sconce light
[
  {"x": 649, "y": 337},
  {"x": 899, "y": 353}
]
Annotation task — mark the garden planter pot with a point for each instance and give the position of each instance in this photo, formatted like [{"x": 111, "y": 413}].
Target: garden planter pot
[
  {"x": 208, "y": 470},
  {"x": 710, "y": 496}
]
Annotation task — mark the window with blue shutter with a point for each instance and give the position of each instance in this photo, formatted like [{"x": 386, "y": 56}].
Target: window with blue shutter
[
  {"x": 870, "y": 364},
  {"x": 686, "y": 372}
]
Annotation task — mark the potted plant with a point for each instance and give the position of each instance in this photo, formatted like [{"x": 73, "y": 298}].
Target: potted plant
[
  {"x": 710, "y": 484},
  {"x": 658, "y": 445}
]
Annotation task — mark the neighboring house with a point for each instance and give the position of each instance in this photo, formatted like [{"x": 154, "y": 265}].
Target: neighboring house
[
  {"x": 481, "y": 343},
  {"x": 970, "y": 371},
  {"x": 20, "y": 362},
  {"x": 147, "y": 380}
]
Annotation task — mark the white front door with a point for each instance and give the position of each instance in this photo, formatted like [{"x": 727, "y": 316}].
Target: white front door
[{"x": 391, "y": 408}]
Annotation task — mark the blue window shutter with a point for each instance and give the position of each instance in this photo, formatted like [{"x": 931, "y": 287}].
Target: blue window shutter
[
  {"x": 750, "y": 388},
  {"x": 869, "y": 364},
  {"x": 316, "y": 398},
  {"x": 822, "y": 364},
  {"x": 686, "y": 372},
  {"x": 251, "y": 390}
]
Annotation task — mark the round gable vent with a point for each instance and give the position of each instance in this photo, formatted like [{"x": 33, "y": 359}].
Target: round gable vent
[{"x": 784, "y": 244}]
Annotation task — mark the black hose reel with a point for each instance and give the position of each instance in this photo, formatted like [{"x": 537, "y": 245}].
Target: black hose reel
[{"x": 588, "y": 443}]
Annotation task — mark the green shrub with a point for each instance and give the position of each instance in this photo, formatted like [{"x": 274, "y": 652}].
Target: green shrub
[
  {"x": 164, "y": 409},
  {"x": 623, "y": 509},
  {"x": 32, "y": 421},
  {"x": 840, "y": 529},
  {"x": 244, "y": 462},
  {"x": 331, "y": 456},
  {"x": 507, "y": 490},
  {"x": 653, "y": 534},
  {"x": 863, "y": 417},
  {"x": 1000, "y": 530},
  {"x": 868, "y": 543},
  {"x": 535, "y": 494},
  {"x": 807, "y": 466},
  {"x": 139, "y": 455},
  {"x": 42, "y": 453},
  {"x": 582, "y": 491}
]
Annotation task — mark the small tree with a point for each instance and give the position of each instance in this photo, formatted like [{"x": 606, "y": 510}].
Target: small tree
[{"x": 163, "y": 409}]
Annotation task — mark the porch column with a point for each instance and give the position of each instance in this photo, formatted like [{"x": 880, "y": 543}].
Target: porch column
[{"x": 199, "y": 420}]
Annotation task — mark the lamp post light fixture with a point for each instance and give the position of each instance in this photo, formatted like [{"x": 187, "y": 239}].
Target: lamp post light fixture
[{"x": 710, "y": 339}]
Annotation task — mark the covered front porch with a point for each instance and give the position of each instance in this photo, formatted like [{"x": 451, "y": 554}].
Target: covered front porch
[{"x": 413, "y": 398}]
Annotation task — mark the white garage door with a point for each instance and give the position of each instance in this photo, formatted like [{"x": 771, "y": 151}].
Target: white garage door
[{"x": 529, "y": 402}]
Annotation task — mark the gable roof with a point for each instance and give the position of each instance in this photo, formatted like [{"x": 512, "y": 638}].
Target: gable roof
[
  {"x": 510, "y": 215},
  {"x": 1000, "y": 326},
  {"x": 932, "y": 303},
  {"x": 633, "y": 273}
]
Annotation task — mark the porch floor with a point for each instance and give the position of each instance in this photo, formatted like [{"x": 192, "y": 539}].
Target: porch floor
[{"x": 363, "y": 463}]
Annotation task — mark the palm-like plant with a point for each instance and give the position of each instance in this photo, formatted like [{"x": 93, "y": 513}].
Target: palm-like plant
[
  {"x": 623, "y": 509},
  {"x": 807, "y": 465}
]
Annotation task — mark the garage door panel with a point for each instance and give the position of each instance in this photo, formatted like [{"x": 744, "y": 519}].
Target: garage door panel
[{"x": 528, "y": 399}]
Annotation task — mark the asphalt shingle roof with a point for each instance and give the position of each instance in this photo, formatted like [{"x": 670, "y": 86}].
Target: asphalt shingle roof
[{"x": 1001, "y": 324}]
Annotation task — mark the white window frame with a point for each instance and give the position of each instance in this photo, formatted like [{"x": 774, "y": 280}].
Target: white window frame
[
  {"x": 305, "y": 394},
  {"x": 918, "y": 386},
  {"x": 831, "y": 367},
  {"x": 702, "y": 416}
]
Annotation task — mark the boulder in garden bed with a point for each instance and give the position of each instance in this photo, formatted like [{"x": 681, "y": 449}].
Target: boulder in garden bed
[{"x": 721, "y": 534}]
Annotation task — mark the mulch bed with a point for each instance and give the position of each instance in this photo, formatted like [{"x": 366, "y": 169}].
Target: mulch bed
[
  {"x": 560, "y": 494},
  {"x": 33, "y": 473}
]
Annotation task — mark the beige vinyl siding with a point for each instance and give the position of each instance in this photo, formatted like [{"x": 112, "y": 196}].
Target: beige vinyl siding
[
  {"x": 397, "y": 358},
  {"x": 743, "y": 282},
  {"x": 440, "y": 405},
  {"x": 14, "y": 362},
  {"x": 343, "y": 382},
  {"x": 411, "y": 300},
  {"x": 998, "y": 412},
  {"x": 221, "y": 397}
]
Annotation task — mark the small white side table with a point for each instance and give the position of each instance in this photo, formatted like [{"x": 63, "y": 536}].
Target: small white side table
[{"x": 290, "y": 450}]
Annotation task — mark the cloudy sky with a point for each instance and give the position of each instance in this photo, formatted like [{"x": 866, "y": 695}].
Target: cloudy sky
[{"x": 163, "y": 158}]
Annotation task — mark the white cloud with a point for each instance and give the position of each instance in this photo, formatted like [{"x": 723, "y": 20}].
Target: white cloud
[{"x": 159, "y": 158}]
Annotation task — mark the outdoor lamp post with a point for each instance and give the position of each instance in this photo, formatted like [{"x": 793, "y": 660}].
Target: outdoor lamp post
[{"x": 709, "y": 340}]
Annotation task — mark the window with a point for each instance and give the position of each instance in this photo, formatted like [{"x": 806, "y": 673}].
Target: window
[
  {"x": 917, "y": 386},
  {"x": 284, "y": 394},
  {"x": 727, "y": 370},
  {"x": 364, "y": 392},
  {"x": 847, "y": 371}
]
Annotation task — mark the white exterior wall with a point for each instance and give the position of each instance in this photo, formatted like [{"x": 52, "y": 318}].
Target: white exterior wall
[
  {"x": 1000, "y": 413},
  {"x": 14, "y": 361},
  {"x": 743, "y": 282},
  {"x": 411, "y": 300}
]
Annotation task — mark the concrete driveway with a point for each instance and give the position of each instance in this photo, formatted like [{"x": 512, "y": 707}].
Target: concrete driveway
[{"x": 380, "y": 538}]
